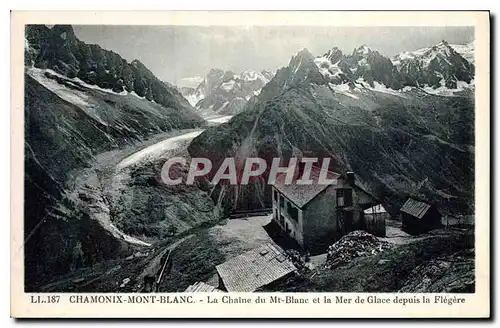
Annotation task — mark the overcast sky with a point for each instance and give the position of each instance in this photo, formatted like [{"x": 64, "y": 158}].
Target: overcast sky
[{"x": 173, "y": 53}]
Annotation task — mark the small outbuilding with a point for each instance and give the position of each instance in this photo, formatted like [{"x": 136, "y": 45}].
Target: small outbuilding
[
  {"x": 375, "y": 217},
  {"x": 419, "y": 217},
  {"x": 254, "y": 269}
]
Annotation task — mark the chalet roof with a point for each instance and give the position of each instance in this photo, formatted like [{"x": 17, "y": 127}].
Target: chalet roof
[
  {"x": 300, "y": 195},
  {"x": 415, "y": 208},
  {"x": 256, "y": 268},
  {"x": 201, "y": 287}
]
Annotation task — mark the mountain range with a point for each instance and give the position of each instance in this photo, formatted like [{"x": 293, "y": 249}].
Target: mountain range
[
  {"x": 224, "y": 92},
  {"x": 434, "y": 69},
  {"x": 440, "y": 69},
  {"x": 389, "y": 121}
]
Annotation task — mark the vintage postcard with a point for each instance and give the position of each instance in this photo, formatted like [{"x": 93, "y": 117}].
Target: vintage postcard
[{"x": 250, "y": 164}]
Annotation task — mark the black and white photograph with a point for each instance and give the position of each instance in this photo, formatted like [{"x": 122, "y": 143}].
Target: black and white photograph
[
  {"x": 249, "y": 159},
  {"x": 250, "y": 164}
]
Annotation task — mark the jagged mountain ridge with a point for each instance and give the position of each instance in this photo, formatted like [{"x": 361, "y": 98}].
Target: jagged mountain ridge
[
  {"x": 439, "y": 66},
  {"x": 59, "y": 49},
  {"x": 225, "y": 92},
  {"x": 464, "y": 50},
  {"x": 363, "y": 63},
  {"x": 400, "y": 143},
  {"x": 439, "y": 69}
]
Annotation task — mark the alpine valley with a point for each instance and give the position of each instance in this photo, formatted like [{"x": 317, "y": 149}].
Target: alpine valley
[{"x": 98, "y": 128}]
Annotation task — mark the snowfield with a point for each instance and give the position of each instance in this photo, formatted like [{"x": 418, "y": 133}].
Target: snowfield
[
  {"x": 444, "y": 91},
  {"x": 73, "y": 96}
]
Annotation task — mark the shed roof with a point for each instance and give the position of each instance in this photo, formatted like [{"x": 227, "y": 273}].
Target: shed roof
[
  {"x": 201, "y": 287},
  {"x": 299, "y": 194},
  {"x": 415, "y": 208},
  {"x": 255, "y": 268}
]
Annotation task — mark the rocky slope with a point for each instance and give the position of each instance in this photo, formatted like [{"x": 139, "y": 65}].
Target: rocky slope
[
  {"x": 400, "y": 140},
  {"x": 224, "y": 92},
  {"x": 81, "y": 100},
  {"x": 431, "y": 264}
]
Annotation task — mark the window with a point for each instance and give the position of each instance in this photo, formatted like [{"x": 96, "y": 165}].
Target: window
[
  {"x": 282, "y": 202},
  {"x": 275, "y": 195},
  {"x": 340, "y": 197},
  {"x": 287, "y": 229},
  {"x": 293, "y": 212},
  {"x": 344, "y": 197}
]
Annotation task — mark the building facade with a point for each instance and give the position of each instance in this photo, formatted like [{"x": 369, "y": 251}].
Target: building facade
[{"x": 317, "y": 215}]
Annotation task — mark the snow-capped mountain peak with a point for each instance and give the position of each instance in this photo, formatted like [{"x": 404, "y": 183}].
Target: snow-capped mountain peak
[
  {"x": 333, "y": 55},
  {"x": 364, "y": 63},
  {"x": 363, "y": 50},
  {"x": 328, "y": 64},
  {"x": 301, "y": 59},
  {"x": 441, "y": 51},
  {"x": 226, "y": 92},
  {"x": 247, "y": 75},
  {"x": 465, "y": 50},
  {"x": 436, "y": 67}
]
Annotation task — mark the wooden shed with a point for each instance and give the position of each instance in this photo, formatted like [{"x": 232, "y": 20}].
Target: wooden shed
[
  {"x": 256, "y": 268},
  {"x": 419, "y": 217},
  {"x": 375, "y": 217}
]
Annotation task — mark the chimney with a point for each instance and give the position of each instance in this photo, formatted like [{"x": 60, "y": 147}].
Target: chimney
[{"x": 350, "y": 178}]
